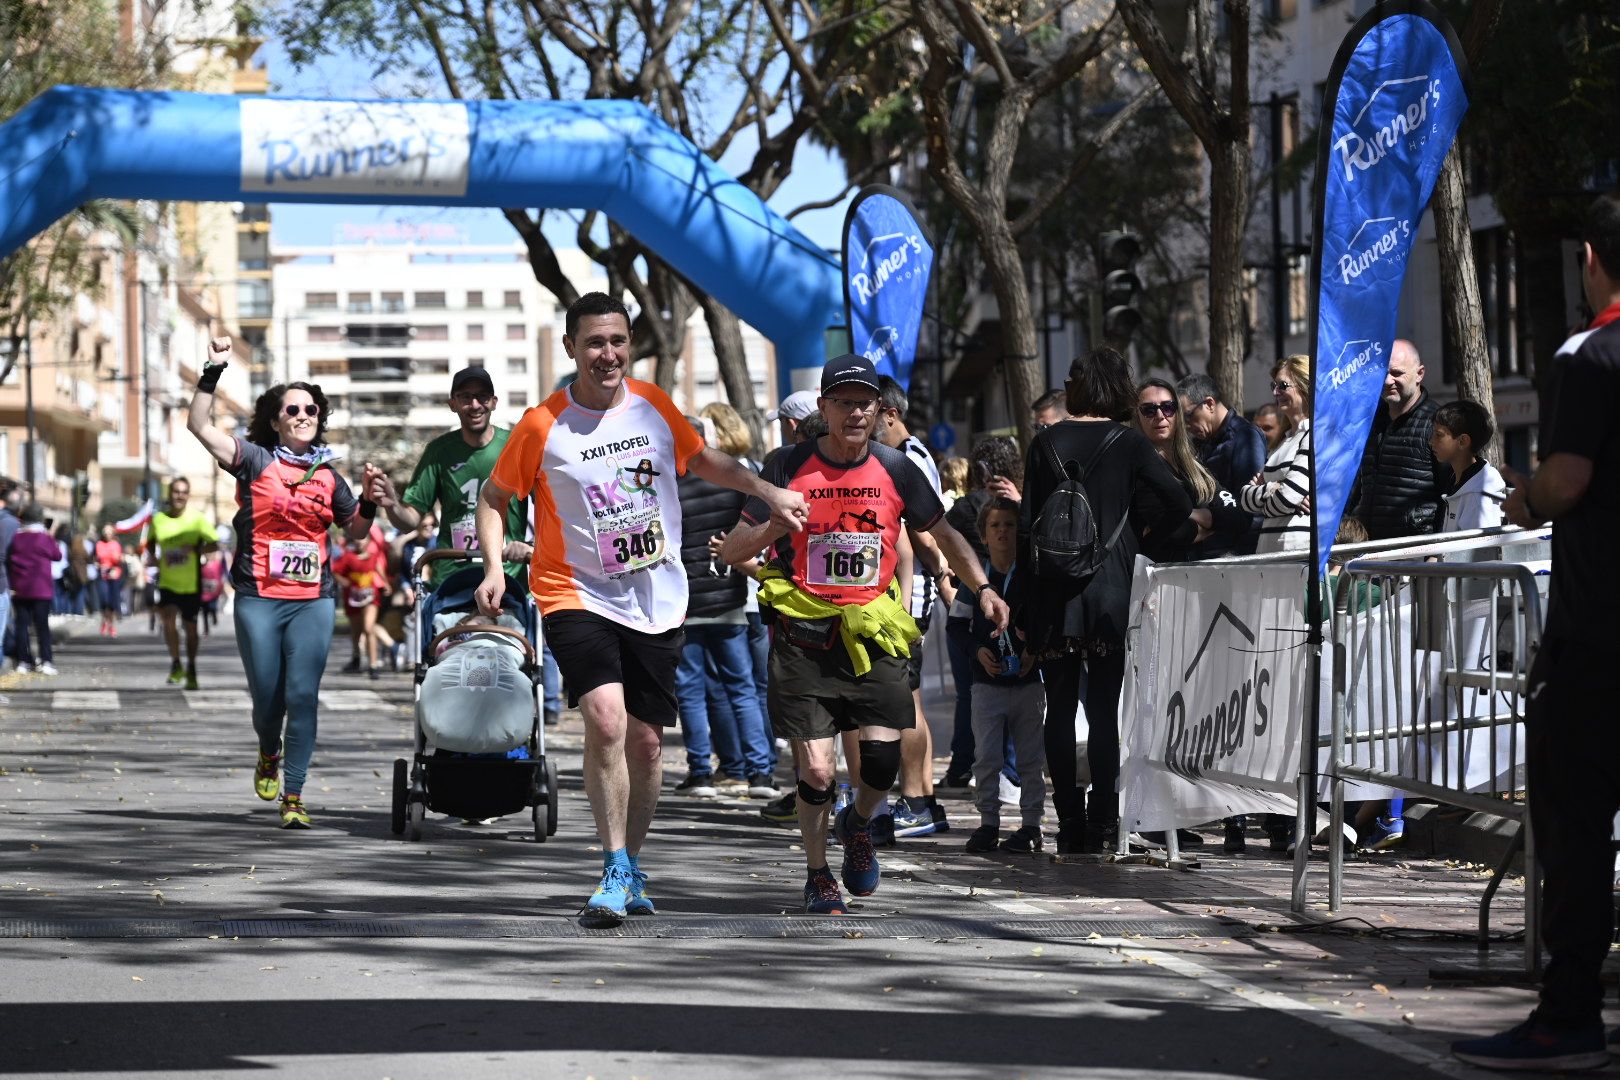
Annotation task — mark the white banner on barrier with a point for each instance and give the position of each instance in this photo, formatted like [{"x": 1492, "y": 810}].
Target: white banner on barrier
[{"x": 1216, "y": 693}]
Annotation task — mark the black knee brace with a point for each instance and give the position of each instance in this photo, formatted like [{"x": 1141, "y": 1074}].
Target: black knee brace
[
  {"x": 814, "y": 796},
  {"x": 880, "y": 763}
]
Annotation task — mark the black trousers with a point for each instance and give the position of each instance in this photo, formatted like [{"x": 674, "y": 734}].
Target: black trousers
[
  {"x": 1572, "y": 749},
  {"x": 1104, "y": 677},
  {"x": 35, "y": 614}
]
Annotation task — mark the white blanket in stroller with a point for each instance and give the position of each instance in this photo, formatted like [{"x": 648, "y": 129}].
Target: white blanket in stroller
[{"x": 475, "y": 697}]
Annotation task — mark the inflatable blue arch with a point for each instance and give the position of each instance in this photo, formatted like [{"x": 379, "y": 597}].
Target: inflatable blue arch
[{"x": 73, "y": 144}]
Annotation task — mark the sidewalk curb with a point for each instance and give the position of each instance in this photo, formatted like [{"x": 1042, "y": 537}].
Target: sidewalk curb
[{"x": 1433, "y": 831}]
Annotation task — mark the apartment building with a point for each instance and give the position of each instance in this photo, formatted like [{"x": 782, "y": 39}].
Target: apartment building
[{"x": 383, "y": 321}]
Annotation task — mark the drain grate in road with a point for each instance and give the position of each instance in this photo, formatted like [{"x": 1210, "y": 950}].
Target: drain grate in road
[{"x": 715, "y": 927}]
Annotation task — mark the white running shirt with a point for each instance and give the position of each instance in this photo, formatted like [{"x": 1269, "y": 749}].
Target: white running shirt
[{"x": 607, "y": 512}]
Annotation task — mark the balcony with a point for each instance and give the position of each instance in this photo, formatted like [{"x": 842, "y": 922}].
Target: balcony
[{"x": 378, "y": 336}]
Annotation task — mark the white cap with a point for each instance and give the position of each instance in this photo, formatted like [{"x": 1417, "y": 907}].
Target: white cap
[{"x": 796, "y": 406}]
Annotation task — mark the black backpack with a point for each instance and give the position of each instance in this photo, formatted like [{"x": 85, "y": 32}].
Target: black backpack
[{"x": 1065, "y": 545}]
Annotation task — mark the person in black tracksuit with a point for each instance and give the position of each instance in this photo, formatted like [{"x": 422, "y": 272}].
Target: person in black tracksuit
[
  {"x": 1572, "y": 742},
  {"x": 1401, "y": 487},
  {"x": 1081, "y": 634}
]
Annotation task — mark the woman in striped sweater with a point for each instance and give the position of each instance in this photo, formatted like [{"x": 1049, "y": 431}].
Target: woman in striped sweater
[{"x": 1280, "y": 491}]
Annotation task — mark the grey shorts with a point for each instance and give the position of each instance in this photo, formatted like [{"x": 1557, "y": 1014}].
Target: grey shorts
[{"x": 815, "y": 693}]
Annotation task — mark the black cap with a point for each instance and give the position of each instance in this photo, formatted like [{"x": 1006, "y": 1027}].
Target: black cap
[
  {"x": 849, "y": 368},
  {"x": 470, "y": 374}
]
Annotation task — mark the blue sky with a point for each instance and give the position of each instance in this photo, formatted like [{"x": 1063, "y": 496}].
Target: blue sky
[{"x": 816, "y": 175}]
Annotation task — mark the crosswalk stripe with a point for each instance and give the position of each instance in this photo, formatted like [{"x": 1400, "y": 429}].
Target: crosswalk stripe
[
  {"x": 85, "y": 700},
  {"x": 213, "y": 700}
]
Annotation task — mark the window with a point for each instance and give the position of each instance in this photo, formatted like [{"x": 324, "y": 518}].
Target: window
[
  {"x": 512, "y": 299},
  {"x": 475, "y": 363},
  {"x": 475, "y": 299},
  {"x": 379, "y": 368},
  {"x": 1299, "y": 294},
  {"x": 475, "y": 331},
  {"x": 393, "y": 303},
  {"x": 320, "y": 301},
  {"x": 516, "y": 332},
  {"x": 430, "y": 299},
  {"x": 328, "y": 367},
  {"x": 1278, "y": 10},
  {"x": 517, "y": 365},
  {"x": 360, "y": 303},
  {"x": 326, "y": 333},
  {"x": 432, "y": 333},
  {"x": 378, "y": 336},
  {"x": 520, "y": 400},
  {"x": 440, "y": 366}
]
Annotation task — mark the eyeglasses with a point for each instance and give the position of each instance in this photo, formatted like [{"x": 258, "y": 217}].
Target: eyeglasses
[
  {"x": 1148, "y": 409},
  {"x": 307, "y": 410},
  {"x": 473, "y": 399},
  {"x": 861, "y": 405},
  {"x": 1281, "y": 387}
]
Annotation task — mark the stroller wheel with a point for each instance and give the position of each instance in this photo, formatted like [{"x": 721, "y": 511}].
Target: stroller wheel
[
  {"x": 397, "y": 822},
  {"x": 417, "y": 810},
  {"x": 551, "y": 797},
  {"x": 543, "y": 825}
]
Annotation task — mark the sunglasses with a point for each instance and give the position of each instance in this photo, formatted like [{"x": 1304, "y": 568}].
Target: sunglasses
[
  {"x": 1281, "y": 387},
  {"x": 306, "y": 410},
  {"x": 1149, "y": 409}
]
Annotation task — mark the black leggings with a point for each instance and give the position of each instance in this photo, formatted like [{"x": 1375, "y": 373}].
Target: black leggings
[
  {"x": 35, "y": 613},
  {"x": 1104, "y": 679}
]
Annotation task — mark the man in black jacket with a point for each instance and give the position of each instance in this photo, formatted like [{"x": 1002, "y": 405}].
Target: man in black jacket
[
  {"x": 1401, "y": 488},
  {"x": 1231, "y": 448}
]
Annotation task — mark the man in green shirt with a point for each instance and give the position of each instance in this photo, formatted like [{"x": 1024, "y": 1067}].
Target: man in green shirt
[
  {"x": 451, "y": 472},
  {"x": 176, "y": 542}
]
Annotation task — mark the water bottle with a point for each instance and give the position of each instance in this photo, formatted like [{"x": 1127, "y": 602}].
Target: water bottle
[{"x": 844, "y": 797}]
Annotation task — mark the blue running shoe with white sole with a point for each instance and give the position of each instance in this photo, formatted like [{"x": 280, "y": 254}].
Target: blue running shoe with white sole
[
  {"x": 1535, "y": 1047},
  {"x": 639, "y": 903},
  {"x": 607, "y": 904},
  {"x": 909, "y": 822},
  {"x": 860, "y": 870},
  {"x": 821, "y": 895}
]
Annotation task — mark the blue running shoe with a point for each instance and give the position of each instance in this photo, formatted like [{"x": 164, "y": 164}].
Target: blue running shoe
[
  {"x": 821, "y": 895},
  {"x": 639, "y": 903},
  {"x": 860, "y": 870},
  {"x": 1386, "y": 833},
  {"x": 607, "y": 904},
  {"x": 909, "y": 822},
  {"x": 1535, "y": 1047}
]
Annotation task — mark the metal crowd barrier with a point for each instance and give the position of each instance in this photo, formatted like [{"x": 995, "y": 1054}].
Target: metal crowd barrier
[{"x": 1430, "y": 649}]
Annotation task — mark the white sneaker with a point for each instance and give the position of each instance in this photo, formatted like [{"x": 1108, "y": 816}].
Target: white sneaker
[
  {"x": 1010, "y": 792},
  {"x": 47, "y": 668},
  {"x": 22, "y": 668}
]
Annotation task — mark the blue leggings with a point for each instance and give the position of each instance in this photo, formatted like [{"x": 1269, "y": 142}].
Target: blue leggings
[{"x": 284, "y": 644}]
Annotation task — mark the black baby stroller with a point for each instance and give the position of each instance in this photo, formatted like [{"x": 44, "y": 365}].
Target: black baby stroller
[{"x": 510, "y": 771}]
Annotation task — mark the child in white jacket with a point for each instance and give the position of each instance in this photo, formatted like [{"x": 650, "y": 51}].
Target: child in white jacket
[{"x": 1462, "y": 430}]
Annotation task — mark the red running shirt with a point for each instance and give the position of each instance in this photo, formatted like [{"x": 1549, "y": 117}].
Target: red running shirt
[
  {"x": 285, "y": 511},
  {"x": 846, "y": 553},
  {"x": 364, "y": 576}
]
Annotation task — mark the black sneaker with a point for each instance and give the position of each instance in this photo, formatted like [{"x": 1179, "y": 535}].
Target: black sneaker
[
  {"x": 1025, "y": 840},
  {"x": 700, "y": 784},
  {"x": 552, "y": 718},
  {"x": 982, "y": 840},
  {"x": 785, "y": 809},
  {"x": 955, "y": 781},
  {"x": 882, "y": 830},
  {"x": 351, "y": 668},
  {"x": 761, "y": 786},
  {"x": 940, "y": 822},
  {"x": 1235, "y": 843}
]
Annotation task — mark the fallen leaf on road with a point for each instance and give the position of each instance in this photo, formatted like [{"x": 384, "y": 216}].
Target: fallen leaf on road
[
  {"x": 1381, "y": 988},
  {"x": 136, "y": 978},
  {"x": 1410, "y": 1018}
]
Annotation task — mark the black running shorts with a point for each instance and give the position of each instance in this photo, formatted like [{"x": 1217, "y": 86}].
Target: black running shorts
[
  {"x": 814, "y": 693},
  {"x": 188, "y": 604},
  {"x": 914, "y": 665},
  {"x": 593, "y": 651}
]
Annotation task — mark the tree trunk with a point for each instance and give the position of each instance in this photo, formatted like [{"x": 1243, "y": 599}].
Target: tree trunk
[
  {"x": 732, "y": 358},
  {"x": 1459, "y": 291},
  {"x": 1228, "y": 200},
  {"x": 1025, "y": 381}
]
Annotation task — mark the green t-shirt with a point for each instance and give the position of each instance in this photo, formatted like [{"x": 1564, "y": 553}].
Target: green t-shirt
[
  {"x": 451, "y": 474},
  {"x": 177, "y": 542}
]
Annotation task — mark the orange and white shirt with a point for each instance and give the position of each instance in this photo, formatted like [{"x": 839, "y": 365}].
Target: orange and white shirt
[{"x": 607, "y": 513}]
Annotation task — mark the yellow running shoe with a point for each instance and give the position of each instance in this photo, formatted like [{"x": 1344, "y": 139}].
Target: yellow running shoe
[
  {"x": 293, "y": 814},
  {"x": 267, "y": 777}
]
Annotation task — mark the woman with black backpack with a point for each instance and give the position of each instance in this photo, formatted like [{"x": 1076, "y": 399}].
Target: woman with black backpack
[{"x": 1076, "y": 615}]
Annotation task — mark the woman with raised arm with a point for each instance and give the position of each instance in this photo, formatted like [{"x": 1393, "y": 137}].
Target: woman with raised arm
[{"x": 288, "y": 496}]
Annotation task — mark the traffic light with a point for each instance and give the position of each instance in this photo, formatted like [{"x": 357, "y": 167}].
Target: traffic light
[{"x": 1120, "y": 285}]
